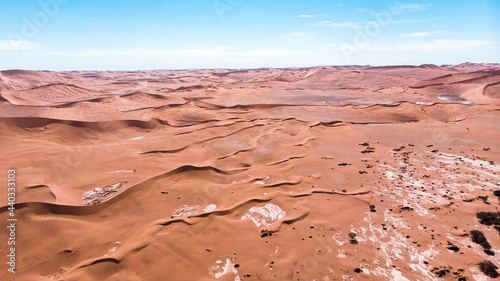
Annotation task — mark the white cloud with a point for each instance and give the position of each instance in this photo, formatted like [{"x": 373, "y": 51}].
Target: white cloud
[
  {"x": 15, "y": 45},
  {"x": 442, "y": 45},
  {"x": 361, "y": 24},
  {"x": 294, "y": 34},
  {"x": 411, "y": 7},
  {"x": 409, "y": 21},
  {"x": 222, "y": 51},
  {"x": 420, "y": 34},
  {"x": 397, "y": 8},
  {"x": 341, "y": 46},
  {"x": 429, "y": 46},
  {"x": 196, "y": 46},
  {"x": 298, "y": 36},
  {"x": 338, "y": 25}
]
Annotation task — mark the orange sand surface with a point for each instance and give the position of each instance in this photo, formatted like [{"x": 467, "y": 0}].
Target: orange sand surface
[{"x": 323, "y": 173}]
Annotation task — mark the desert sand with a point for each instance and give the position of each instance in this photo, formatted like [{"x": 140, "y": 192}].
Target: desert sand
[{"x": 322, "y": 173}]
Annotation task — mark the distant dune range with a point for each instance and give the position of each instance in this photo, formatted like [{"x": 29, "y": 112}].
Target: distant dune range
[{"x": 321, "y": 173}]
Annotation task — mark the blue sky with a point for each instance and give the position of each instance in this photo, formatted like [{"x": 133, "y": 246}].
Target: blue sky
[{"x": 130, "y": 35}]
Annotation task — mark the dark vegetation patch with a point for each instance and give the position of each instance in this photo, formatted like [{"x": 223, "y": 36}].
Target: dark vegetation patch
[
  {"x": 479, "y": 238},
  {"x": 405, "y": 208},
  {"x": 489, "y": 252},
  {"x": 489, "y": 269},
  {"x": 452, "y": 247},
  {"x": 440, "y": 271},
  {"x": 353, "y": 238},
  {"x": 484, "y": 198},
  {"x": 496, "y": 193},
  {"x": 489, "y": 218}
]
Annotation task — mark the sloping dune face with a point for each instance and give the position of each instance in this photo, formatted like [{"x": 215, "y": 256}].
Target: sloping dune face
[{"x": 325, "y": 173}]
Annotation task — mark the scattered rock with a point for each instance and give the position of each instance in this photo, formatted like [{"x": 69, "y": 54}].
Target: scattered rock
[
  {"x": 440, "y": 271},
  {"x": 265, "y": 233},
  {"x": 452, "y": 247}
]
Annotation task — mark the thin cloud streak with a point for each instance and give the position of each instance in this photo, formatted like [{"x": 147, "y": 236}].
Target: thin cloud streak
[
  {"x": 338, "y": 25},
  {"x": 443, "y": 45},
  {"x": 430, "y": 46},
  {"x": 421, "y": 34},
  {"x": 411, "y": 7},
  {"x": 359, "y": 25},
  {"x": 14, "y": 45},
  {"x": 298, "y": 36},
  {"x": 214, "y": 52},
  {"x": 398, "y": 8}
]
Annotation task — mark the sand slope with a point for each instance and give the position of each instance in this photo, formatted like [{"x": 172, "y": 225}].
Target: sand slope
[{"x": 323, "y": 173}]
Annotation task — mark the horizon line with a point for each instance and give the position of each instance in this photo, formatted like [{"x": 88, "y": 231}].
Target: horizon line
[{"x": 254, "y": 68}]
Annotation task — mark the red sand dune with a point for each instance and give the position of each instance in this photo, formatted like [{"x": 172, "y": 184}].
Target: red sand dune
[{"x": 323, "y": 173}]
